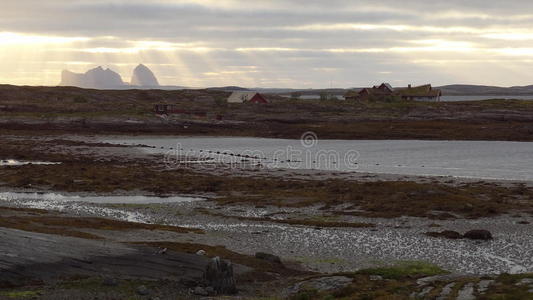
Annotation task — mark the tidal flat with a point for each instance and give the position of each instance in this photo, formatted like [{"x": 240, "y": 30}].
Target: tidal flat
[{"x": 126, "y": 202}]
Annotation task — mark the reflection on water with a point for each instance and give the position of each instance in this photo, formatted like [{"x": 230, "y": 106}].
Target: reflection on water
[
  {"x": 7, "y": 196},
  {"x": 14, "y": 162}
]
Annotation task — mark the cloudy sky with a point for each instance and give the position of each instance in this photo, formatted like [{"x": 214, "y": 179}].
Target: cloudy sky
[{"x": 271, "y": 43}]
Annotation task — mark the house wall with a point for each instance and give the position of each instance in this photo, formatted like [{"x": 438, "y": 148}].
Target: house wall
[
  {"x": 258, "y": 99},
  {"x": 427, "y": 99}
]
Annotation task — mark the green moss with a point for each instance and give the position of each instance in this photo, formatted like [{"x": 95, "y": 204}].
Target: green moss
[{"x": 405, "y": 269}]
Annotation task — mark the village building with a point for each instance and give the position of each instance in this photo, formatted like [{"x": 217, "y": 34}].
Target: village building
[
  {"x": 165, "y": 109},
  {"x": 385, "y": 92},
  {"x": 246, "y": 97},
  {"x": 420, "y": 93},
  {"x": 368, "y": 94}
]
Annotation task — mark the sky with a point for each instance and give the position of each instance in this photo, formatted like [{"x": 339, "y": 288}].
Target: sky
[{"x": 271, "y": 43}]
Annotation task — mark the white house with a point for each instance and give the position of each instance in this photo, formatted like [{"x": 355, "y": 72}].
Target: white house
[{"x": 246, "y": 97}]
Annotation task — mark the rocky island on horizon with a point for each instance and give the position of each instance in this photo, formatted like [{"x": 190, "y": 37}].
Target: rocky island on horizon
[{"x": 100, "y": 78}]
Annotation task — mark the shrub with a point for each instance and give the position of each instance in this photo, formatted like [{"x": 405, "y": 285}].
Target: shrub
[{"x": 405, "y": 269}]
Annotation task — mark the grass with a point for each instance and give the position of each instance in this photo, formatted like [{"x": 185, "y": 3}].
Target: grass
[
  {"x": 410, "y": 269},
  {"x": 20, "y": 294}
]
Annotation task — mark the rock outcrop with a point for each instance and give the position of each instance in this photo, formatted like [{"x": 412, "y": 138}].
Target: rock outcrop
[
  {"x": 97, "y": 78},
  {"x": 479, "y": 234},
  {"x": 219, "y": 275},
  {"x": 100, "y": 78},
  {"x": 142, "y": 76},
  {"x": 472, "y": 234},
  {"x": 268, "y": 257},
  {"x": 321, "y": 284}
]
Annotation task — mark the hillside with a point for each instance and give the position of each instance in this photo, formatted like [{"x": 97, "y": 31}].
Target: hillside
[
  {"x": 464, "y": 89},
  {"x": 447, "y": 90},
  {"x": 204, "y": 112}
]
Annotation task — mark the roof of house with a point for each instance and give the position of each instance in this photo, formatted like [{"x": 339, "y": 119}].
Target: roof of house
[
  {"x": 387, "y": 85},
  {"x": 241, "y": 97},
  {"x": 419, "y": 91},
  {"x": 351, "y": 93},
  {"x": 376, "y": 91}
]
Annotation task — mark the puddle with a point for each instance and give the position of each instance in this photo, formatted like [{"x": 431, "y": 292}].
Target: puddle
[
  {"x": 14, "y": 162},
  {"x": 81, "y": 208},
  {"x": 10, "y": 196}
]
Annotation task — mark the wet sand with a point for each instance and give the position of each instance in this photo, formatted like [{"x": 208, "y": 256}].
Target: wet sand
[{"x": 322, "y": 249}]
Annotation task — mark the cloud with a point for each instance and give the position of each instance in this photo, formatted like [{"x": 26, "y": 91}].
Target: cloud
[{"x": 289, "y": 42}]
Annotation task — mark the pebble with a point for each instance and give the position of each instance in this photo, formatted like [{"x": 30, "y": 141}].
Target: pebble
[
  {"x": 109, "y": 281},
  {"x": 432, "y": 279},
  {"x": 525, "y": 281},
  {"x": 201, "y": 252},
  {"x": 467, "y": 292},
  {"x": 483, "y": 285},
  {"x": 210, "y": 290},
  {"x": 200, "y": 291},
  {"x": 142, "y": 290},
  {"x": 268, "y": 257},
  {"x": 321, "y": 284},
  {"x": 446, "y": 291},
  {"x": 425, "y": 291}
]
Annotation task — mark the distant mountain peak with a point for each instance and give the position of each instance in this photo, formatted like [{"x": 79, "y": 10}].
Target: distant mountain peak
[
  {"x": 143, "y": 76},
  {"x": 96, "y": 78},
  {"x": 100, "y": 78}
]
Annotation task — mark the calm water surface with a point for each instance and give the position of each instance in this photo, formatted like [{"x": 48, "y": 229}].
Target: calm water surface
[
  {"x": 474, "y": 159},
  {"x": 11, "y": 196}
]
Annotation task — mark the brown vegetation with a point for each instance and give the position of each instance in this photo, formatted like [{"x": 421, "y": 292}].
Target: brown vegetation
[
  {"x": 373, "y": 199},
  {"x": 32, "y": 224},
  {"x": 73, "y": 110},
  {"x": 259, "y": 265},
  {"x": 304, "y": 222},
  {"x": 41, "y": 221}
]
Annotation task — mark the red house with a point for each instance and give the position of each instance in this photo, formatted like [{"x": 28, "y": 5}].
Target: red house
[{"x": 247, "y": 97}]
